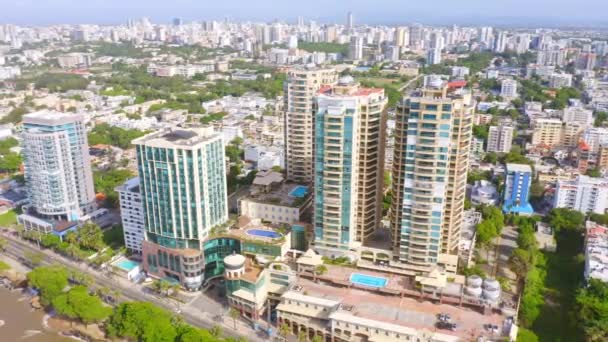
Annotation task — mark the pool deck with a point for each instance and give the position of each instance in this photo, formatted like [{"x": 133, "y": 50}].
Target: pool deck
[
  {"x": 280, "y": 196},
  {"x": 394, "y": 281},
  {"x": 404, "y": 311},
  {"x": 118, "y": 263}
]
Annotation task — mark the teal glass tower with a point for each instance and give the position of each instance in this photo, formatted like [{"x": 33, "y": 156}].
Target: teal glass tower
[{"x": 183, "y": 189}]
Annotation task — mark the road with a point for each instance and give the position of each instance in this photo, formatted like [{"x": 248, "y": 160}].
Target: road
[
  {"x": 17, "y": 248},
  {"x": 408, "y": 83}
]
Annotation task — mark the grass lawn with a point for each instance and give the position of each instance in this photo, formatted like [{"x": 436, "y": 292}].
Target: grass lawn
[
  {"x": 8, "y": 218},
  {"x": 556, "y": 323}
]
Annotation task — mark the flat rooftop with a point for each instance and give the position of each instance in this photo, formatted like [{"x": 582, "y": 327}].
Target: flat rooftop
[
  {"x": 183, "y": 138},
  {"x": 519, "y": 168},
  {"x": 50, "y": 117},
  {"x": 405, "y": 311},
  {"x": 280, "y": 195}
]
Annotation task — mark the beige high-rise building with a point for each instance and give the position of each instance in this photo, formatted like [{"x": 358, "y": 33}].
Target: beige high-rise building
[
  {"x": 500, "y": 139},
  {"x": 432, "y": 146},
  {"x": 350, "y": 128},
  {"x": 571, "y": 134},
  {"x": 300, "y": 89},
  {"x": 547, "y": 132}
]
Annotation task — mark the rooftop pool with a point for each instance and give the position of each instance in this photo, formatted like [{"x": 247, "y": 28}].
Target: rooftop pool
[
  {"x": 264, "y": 233},
  {"x": 126, "y": 264},
  {"x": 299, "y": 191},
  {"x": 367, "y": 280}
]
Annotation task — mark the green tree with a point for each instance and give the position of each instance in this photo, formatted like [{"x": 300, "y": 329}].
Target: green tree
[
  {"x": 50, "y": 241},
  {"x": 525, "y": 335},
  {"x": 491, "y": 157},
  {"x": 106, "y": 181},
  {"x": 234, "y": 314},
  {"x": 49, "y": 280},
  {"x": 90, "y": 236},
  {"x": 594, "y": 173},
  {"x": 141, "y": 321},
  {"x": 79, "y": 304},
  {"x": 565, "y": 219},
  {"x": 592, "y": 310},
  {"x": 115, "y": 136},
  {"x": 520, "y": 262},
  {"x": 3, "y": 244}
]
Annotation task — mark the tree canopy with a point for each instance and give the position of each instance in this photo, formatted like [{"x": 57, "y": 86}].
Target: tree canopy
[
  {"x": 592, "y": 310},
  {"x": 78, "y": 304},
  {"x": 565, "y": 219},
  {"x": 50, "y": 281},
  {"x": 115, "y": 136}
]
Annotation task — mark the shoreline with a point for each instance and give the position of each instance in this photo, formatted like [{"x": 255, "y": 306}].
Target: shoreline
[{"x": 50, "y": 323}]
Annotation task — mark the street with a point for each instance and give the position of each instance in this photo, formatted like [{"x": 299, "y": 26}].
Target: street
[{"x": 195, "y": 315}]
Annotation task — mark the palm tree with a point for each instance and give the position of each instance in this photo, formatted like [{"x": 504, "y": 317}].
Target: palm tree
[
  {"x": 284, "y": 330},
  {"x": 234, "y": 314}
]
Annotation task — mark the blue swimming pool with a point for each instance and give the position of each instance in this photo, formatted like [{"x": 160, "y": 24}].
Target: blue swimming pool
[
  {"x": 367, "y": 280},
  {"x": 127, "y": 264},
  {"x": 264, "y": 233},
  {"x": 299, "y": 191}
]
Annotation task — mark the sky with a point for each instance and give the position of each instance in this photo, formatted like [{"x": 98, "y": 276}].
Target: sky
[{"x": 491, "y": 12}]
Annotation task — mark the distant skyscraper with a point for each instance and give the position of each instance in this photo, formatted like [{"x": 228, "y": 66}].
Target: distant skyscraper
[
  {"x": 183, "y": 191},
  {"x": 486, "y": 37},
  {"x": 402, "y": 37},
  {"x": 350, "y": 21},
  {"x": 177, "y": 22},
  {"x": 349, "y": 159},
  {"x": 57, "y": 165},
  {"x": 432, "y": 145},
  {"x": 356, "y": 48},
  {"x": 301, "y": 87},
  {"x": 500, "y": 45},
  {"x": 433, "y": 56}
]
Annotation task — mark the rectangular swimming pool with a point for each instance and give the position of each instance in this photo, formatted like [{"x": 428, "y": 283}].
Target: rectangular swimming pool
[
  {"x": 299, "y": 191},
  {"x": 264, "y": 233},
  {"x": 127, "y": 264},
  {"x": 367, "y": 280}
]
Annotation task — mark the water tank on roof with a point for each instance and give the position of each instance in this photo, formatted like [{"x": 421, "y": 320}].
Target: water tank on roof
[
  {"x": 473, "y": 291},
  {"x": 474, "y": 281},
  {"x": 491, "y": 284},
  {"x": 491, "y": 295}
]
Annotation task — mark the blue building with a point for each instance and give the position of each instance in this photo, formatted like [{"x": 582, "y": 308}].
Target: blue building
[{"x": 517, "y": 189}]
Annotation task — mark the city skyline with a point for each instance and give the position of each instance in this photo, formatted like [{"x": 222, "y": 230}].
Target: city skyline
[{"x": 387, "y": 12}]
